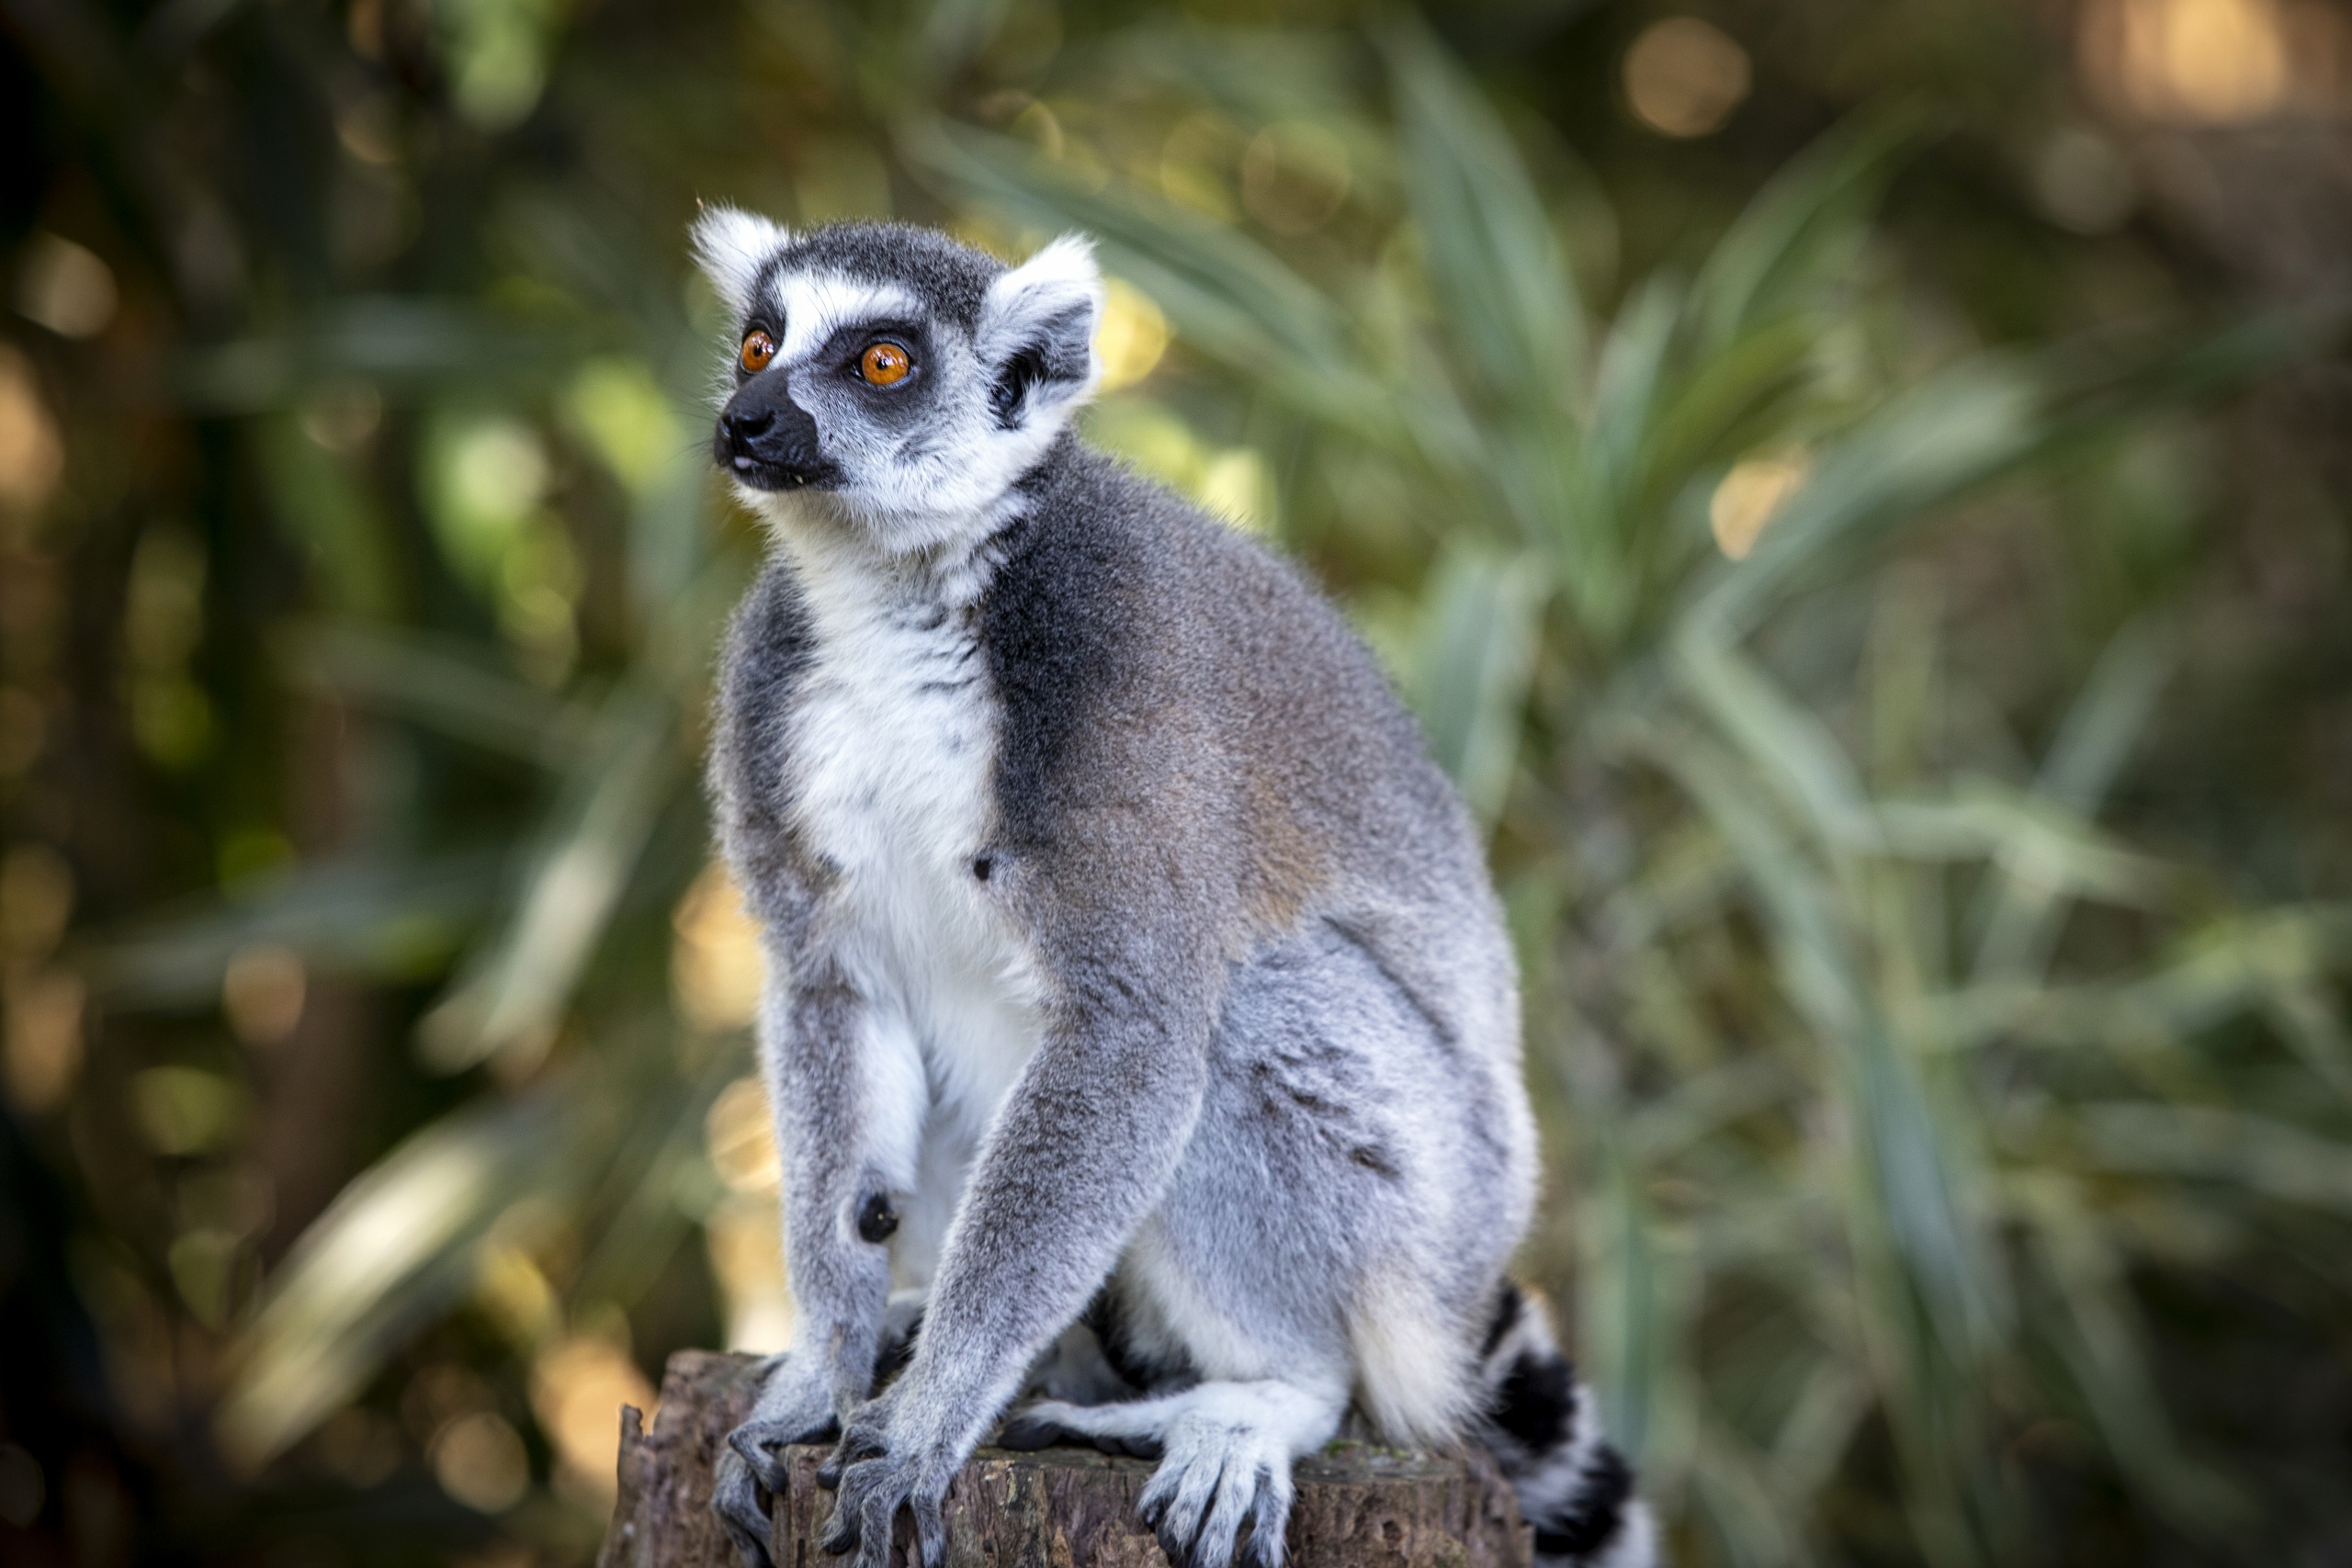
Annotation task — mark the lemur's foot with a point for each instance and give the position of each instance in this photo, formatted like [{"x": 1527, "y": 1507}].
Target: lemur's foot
[
  {"x": 1221, "y": 1493},
  {"x": 751, "y": 1471},
  {"x": 873, "y": 1475},
  {"x": 1219, "y": 1476}
]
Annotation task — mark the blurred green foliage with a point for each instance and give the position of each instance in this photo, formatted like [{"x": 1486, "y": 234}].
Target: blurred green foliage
[{"x": 1872, "y": 563}]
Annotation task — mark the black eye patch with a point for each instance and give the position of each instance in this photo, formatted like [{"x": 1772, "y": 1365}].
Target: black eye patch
[{"x": 844, "y": 344}]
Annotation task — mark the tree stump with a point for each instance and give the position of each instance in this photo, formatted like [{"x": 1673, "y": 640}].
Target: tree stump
[{"x": 1358, "y": 1506}]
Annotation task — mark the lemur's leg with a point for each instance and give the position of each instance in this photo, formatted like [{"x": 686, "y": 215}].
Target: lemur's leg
[
  {"x": 1227, "y": 1450},
  {"x": 1306, "y": 1249},
  {"x": 847, "y": 1093}
]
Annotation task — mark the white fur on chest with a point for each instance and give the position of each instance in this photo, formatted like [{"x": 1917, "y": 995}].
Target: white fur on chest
[{"x": 894, "y": 752}]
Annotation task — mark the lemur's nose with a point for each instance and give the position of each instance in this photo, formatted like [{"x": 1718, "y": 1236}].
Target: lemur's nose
[{"x": 742, "y": 424}]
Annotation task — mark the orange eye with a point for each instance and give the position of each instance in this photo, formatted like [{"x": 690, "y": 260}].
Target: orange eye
[
  {"x": 884, "y": 364},
  {"x": 758, "y": 349}
]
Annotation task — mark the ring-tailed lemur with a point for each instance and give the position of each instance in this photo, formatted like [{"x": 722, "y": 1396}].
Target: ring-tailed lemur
[{"x": 1138, "y": 1002}]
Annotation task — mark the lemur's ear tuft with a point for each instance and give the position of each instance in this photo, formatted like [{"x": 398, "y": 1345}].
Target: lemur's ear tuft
[
  {"x": 732, "y": 245},
  {"x": 1036, "y": 333}
]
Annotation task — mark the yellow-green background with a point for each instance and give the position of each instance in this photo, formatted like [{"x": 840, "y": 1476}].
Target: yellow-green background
[{"x": 1855, "y": 488}]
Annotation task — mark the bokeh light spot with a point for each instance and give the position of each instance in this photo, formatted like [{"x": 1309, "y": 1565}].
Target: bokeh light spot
[
  {"x": 479, "y": 1460},
  {"x": 262, "y": 992},
  {"x": 187, "y": 1111},
  {"x": 746, "y": 1243},
  {"x": 578, "y": 1386},
  {"x": 43, "y": 1037},
  {"x": 1294, "y": 177},
  {"x": 65, "y": 287},
  {"x": 32, "y": 457},
  {"x": 619, "y": 407},
  {"x": 36, "y": 900},
  {"x": 741, "y": 1133},
  {"x": 1684, "y": 77},
  {"x": 1133, "y": 336},
  {"x": 1753, "y": 493},
  {"x": 717, "y": 969},
  {"x": 2190, "y": 62},
  {"x": 23, "y": 1487},
  {"x": 2081, "y": 181}
]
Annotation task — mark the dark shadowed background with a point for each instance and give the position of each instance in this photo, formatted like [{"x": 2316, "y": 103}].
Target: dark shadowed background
[{"x": 1857, "y": 490}]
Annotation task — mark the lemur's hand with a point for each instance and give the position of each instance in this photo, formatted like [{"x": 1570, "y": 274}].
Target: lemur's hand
[
  {"x": 882, "y": 1464},
  {"x": 795, "y": 1405}
]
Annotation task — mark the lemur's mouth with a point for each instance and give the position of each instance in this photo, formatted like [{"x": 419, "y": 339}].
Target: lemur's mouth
[{"x": 763, "y": 475}]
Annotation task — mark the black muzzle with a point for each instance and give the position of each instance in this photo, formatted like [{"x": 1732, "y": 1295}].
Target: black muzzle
[{"x": 768, "y": 441}]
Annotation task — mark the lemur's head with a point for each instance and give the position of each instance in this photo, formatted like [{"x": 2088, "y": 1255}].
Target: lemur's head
[{"x": 907, "y": 377}]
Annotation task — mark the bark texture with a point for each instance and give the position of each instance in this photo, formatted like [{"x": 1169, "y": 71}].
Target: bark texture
[{"x": 1357, "y": 1506}]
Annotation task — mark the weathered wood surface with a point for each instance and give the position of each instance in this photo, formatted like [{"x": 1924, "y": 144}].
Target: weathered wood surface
[{"x": 1357, "y": 1506}]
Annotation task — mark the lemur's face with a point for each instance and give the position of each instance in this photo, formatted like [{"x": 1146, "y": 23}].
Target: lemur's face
[{"x": 909, "y": 378}]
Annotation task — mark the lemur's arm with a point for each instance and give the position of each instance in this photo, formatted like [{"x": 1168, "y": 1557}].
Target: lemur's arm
[
  {"x": 815, "y": 1052},
  {"x": 1081, "y": 1150},
  {"x": 822, "y": 1066}
]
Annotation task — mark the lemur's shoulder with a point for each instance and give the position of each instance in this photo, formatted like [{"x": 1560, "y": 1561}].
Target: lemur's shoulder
[
  {"x": 1140, "y": 648},
  {"x": 1106, "y": 567}
]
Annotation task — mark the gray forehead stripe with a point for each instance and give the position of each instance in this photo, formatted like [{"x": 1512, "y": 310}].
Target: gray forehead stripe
[{"x": 952, "y": 279}]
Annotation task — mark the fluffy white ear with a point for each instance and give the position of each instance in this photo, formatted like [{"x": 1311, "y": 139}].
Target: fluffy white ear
[
  {"x": 731, "y": 246},
  {"x": 1036, "y": 333}
]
